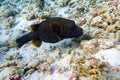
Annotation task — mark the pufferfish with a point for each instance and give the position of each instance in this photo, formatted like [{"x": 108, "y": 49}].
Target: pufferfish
[{"x": 51, "y": 30}]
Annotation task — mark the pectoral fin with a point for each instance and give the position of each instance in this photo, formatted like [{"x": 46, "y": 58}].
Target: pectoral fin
[
  {"x": 36, "y": 43},
  {"x": 54, "y": 27}
]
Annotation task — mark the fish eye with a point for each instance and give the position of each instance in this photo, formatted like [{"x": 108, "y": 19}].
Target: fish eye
[{"x": 73, "y": 27}]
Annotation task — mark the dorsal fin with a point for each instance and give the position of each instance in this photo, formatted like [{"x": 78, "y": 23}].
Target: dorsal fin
[
  {"x": 34, "y": 27},
  {"x": 36, "y": 43}
]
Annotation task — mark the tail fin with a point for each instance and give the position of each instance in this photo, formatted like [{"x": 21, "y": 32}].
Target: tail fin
[{"x": 24, "y": 39}]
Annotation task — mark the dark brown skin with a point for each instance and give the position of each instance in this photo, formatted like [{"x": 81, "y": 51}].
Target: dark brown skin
[{"x": 51, "y": 30}]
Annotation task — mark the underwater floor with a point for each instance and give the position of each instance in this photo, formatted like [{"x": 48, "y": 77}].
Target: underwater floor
[{"x": 93, "y": 56}]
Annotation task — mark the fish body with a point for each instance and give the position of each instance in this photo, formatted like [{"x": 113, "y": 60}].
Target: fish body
[{"x": 51, "y": 30}]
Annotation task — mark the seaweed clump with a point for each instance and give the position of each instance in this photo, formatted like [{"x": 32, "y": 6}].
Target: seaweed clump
[
  {"x": 91, "y": 68},
  {"x": 8, "y": 9},
  {"x": 62, "y": 3},
  {"x": 107, "y": 19}
]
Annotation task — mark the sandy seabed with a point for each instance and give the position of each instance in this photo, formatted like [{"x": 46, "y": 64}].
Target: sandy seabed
[{"x": 93, "y": 56}]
